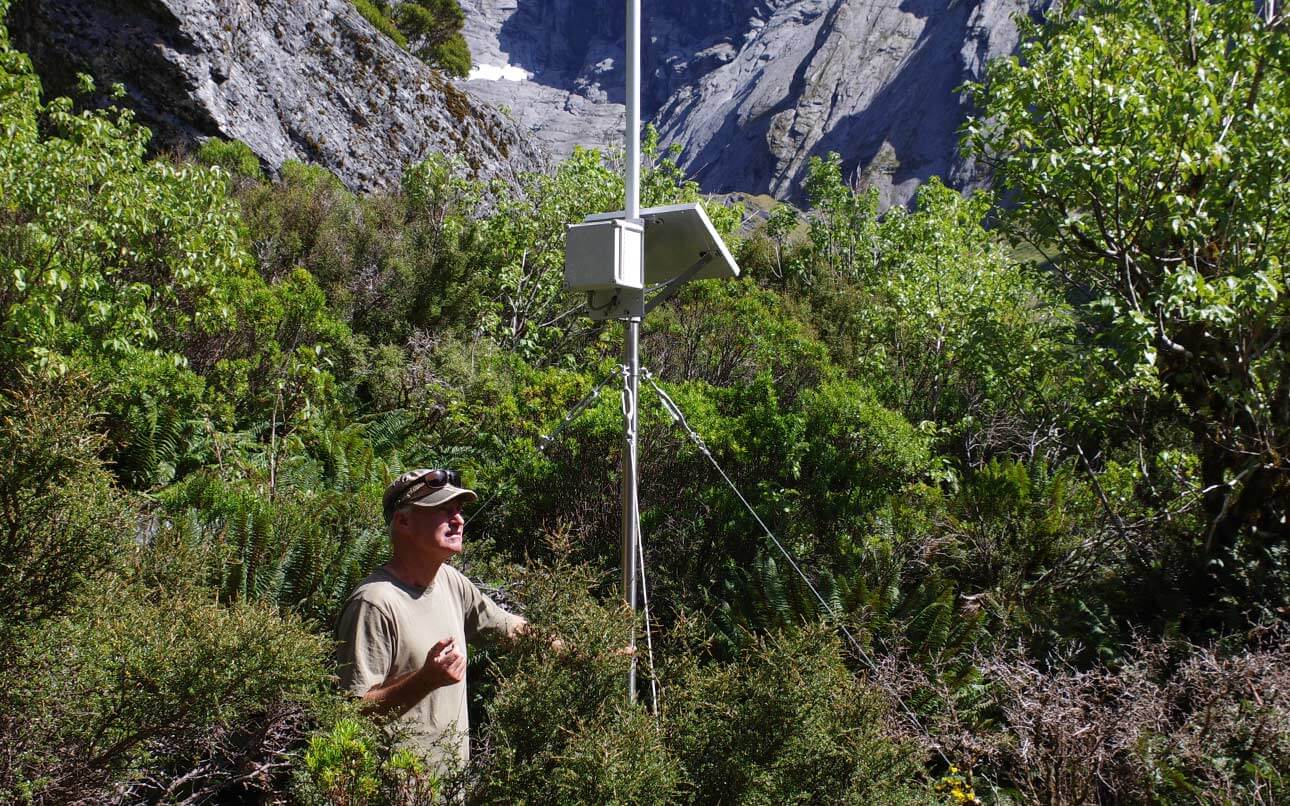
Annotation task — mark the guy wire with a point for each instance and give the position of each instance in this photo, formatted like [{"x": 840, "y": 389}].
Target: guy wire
[{"x": 679, "y": 418}]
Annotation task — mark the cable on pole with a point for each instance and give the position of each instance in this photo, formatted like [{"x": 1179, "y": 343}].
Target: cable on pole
[
  {"x": 630, "y": 499},
  {"x": 679, "y": 418},
  {"x": 649, "y": 638},
  {"x": 630, "y": 408}
]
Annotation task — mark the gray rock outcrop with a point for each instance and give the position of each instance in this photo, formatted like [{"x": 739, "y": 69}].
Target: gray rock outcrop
[
  {"x": 294, "y": 79},
  {"x": 752, "y": 89},
  {"x": 749, "y": 90}
]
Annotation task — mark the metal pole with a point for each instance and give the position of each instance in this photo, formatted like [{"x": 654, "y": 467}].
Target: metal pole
[
  {"x": 631, "y": 341},
  {"x": 633, "y": 133}
]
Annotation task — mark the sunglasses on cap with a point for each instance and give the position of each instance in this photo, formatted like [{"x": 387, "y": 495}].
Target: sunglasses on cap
[{"x": 435, "y": 479}]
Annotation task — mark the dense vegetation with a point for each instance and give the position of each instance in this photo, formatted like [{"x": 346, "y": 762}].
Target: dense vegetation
[{"x": 1038, "y": 470}]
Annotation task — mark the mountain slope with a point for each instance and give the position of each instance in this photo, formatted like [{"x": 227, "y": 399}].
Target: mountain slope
[
  {"x": 751, "y": 89},
  {"x": 295, "y": 79}
]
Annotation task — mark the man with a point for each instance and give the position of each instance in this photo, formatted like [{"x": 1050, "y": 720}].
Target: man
[{"x": 404, "y": 629}]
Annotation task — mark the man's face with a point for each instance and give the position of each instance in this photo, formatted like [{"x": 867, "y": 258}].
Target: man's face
[{"x": 435, "y": 532}]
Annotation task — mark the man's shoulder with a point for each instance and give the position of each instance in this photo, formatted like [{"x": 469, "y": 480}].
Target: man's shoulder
[
  {"x": 379, "y": 588},
  {"x": 452, "y": 576},
  {"x": 453, "y": 580},
  {"x": 459, "y": 584}
]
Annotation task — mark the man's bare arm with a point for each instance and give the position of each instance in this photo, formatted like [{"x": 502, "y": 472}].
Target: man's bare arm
[
  {"x": 445, "y": 664},
  {"x": 521, "y": 627}
]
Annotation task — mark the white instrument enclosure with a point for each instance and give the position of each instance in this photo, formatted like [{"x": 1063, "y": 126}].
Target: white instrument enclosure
[{"x": 603, "y": 255}]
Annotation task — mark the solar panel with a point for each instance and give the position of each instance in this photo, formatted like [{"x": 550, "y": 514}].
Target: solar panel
[{"x": 676, "y": 236}]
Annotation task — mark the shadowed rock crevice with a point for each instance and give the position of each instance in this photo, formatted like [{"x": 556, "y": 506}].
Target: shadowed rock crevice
[
  {"x": 772, "y": 173},
  {"x": 922, "y": 94}
]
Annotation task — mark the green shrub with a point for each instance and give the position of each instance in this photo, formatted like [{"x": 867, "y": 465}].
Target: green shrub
[
  {"x": 341, "y": 766},
  {"x": 857, "y": 454},
  {"x": 558, "y": 723},
  {"x": 372, "y": 11},
  {"x": 453, "y": 56},
  {"x": 157, "y": 694},
  {"x": 233, "y": 156},
  {"x": 429, "y": 29},
  {"x": 275, "y": 365},
  {"x": 786, "y": 723},
  {"x": 388, "y": 264},
  {"x": 928, "y": 309},
  {"x": 352, "y": 763},
  {"x": 728, "y": 333},
  {"x": 433, "y": 29},
  {"x": 64, "y": 522}
]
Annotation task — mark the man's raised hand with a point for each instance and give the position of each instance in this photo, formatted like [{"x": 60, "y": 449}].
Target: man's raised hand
[{"x": 445, "y": 664}]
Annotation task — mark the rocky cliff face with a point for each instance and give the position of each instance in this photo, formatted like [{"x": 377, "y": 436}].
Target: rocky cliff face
[
  {"x": 751, "y": 89},
  {"x": 294, "y": 79}
]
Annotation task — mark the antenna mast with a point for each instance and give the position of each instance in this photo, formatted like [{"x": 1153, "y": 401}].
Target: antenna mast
[{"x": 609, "y": 256}]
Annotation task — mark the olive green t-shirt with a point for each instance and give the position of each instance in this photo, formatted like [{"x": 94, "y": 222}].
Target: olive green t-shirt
[{"x": 386, "y": 630}]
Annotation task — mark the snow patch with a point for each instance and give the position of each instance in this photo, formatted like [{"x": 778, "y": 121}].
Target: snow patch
[{"x": 493, "y": 72}]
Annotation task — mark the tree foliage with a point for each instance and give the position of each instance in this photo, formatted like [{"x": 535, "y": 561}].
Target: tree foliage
[
  {"x": 104, "y": 253},
  {"x": 429, "y": 29},
  {"x": 433, "y": 29},
  {"x": 1145, "y": 145}
]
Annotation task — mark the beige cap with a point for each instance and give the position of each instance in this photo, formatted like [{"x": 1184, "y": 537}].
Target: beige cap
[{"x": 423, "y": 487}]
